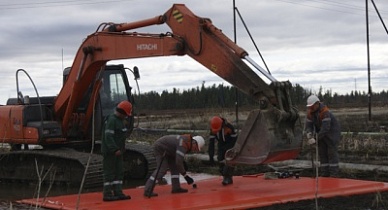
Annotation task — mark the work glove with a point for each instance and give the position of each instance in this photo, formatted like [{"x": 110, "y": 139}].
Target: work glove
[
  {"x": 311, "y": 141},
  {"x": 189, "y": 180},
  {"x": 309, "y": 135}
]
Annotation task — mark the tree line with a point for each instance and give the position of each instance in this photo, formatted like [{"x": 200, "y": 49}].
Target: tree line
[{"x": 220, "y": 96}]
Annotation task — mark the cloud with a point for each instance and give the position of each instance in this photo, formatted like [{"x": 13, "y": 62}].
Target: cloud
[{"x": 312, "y": 43}]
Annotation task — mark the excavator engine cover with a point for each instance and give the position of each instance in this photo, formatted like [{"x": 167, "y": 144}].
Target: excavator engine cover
[{"x": 266, "y": 137}]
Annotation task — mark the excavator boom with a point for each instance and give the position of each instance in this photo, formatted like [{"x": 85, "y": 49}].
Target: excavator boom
[{"x": 271, "y": 132}]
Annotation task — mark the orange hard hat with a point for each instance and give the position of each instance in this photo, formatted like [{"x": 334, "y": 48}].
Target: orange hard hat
[
  {"x": 126, "y": 106},
  {"x": 216, "y": 124}
]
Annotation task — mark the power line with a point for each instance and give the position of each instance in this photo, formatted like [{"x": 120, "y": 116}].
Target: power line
[
  {"x": 45, "y": 4},
  {"x": 340, "y": 7}
]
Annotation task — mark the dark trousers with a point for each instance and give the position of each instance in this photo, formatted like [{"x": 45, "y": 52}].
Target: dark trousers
[
  {"x": 328, "y": 155},
  {"x": 113, "y": 174}
]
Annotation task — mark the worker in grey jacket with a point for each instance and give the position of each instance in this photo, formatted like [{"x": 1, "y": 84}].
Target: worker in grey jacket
[
  {"x": 169, "y": 152},
  {"x": 323, "y": 128}
]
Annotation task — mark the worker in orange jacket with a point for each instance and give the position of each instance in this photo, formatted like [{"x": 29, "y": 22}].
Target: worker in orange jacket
[{"x": 224, "y": 133}]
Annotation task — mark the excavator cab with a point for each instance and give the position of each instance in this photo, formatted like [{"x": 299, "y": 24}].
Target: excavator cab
[{"x": 114, "y": 88}]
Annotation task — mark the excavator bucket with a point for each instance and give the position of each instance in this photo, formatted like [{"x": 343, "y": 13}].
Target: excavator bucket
[{"x": 267, "y": 136}]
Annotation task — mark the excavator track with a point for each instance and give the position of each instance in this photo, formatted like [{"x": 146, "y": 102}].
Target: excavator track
[
  {"x": 67, "y": 166},
  {"x": 139, "y": 161},
  {"x": 63, "y": 166}
]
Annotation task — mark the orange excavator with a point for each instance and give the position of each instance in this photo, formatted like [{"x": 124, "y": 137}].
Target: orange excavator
[
  {"x": 272, "y": 132},
  {"x": 30, "y": 121}
]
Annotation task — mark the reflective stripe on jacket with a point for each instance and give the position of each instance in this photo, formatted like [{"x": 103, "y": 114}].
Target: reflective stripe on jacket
[
  {"x": 323, "y": 123},
  {"x": 114, "y": 135}
]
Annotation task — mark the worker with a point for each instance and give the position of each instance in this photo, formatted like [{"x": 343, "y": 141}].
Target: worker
[
  {"x": 113, "y": 148},
  {"x": 169, "y": 152},
  {"x": 223, "y": 132},
  {"x": 323, "y": 129}
]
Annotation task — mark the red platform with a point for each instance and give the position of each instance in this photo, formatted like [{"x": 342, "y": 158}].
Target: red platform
[{"x": 246, "y": 192}]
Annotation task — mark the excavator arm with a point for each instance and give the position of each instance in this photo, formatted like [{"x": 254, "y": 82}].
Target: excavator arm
[
  {"x": 198, "y": 38},
  {"x": 96, "y": 51}
]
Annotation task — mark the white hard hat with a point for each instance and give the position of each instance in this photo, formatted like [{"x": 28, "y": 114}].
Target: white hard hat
[
  {"x": 200, "y": 141},
  {"x": 311, "y": 100}
]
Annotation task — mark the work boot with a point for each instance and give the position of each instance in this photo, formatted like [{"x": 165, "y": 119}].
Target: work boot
[
  {"x": 228, "y": 175},
  {"x": 110, "y": 197},
  {"x": 162, "y": 181},
  {"x": 118, "y": 192},
  {"x": 150, "y": 194},
  {"x": 149, "y": 187},
  {"x": 324, "y": 172},
  {"x": 227, "y": 180},
  {"x": 123, "y": 197},
  {"x": 107, "y": 193},
  {"x": 176, "y": 186},
  {"x": 179, "y": 190},
  {"x": 334, "y": 171}
]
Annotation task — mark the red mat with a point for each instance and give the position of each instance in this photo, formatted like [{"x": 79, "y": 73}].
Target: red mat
[{"x": 246, "y": 192}]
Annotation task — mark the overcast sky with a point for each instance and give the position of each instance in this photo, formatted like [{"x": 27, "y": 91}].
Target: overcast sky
[{"x": 315, "y": 43}]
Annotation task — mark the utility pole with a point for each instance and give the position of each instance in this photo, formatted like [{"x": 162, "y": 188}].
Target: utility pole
[
  {"x": 355, "y": 85},
  {"x": 368, "y": 58},
  {"x": 235, "y": 41}
]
